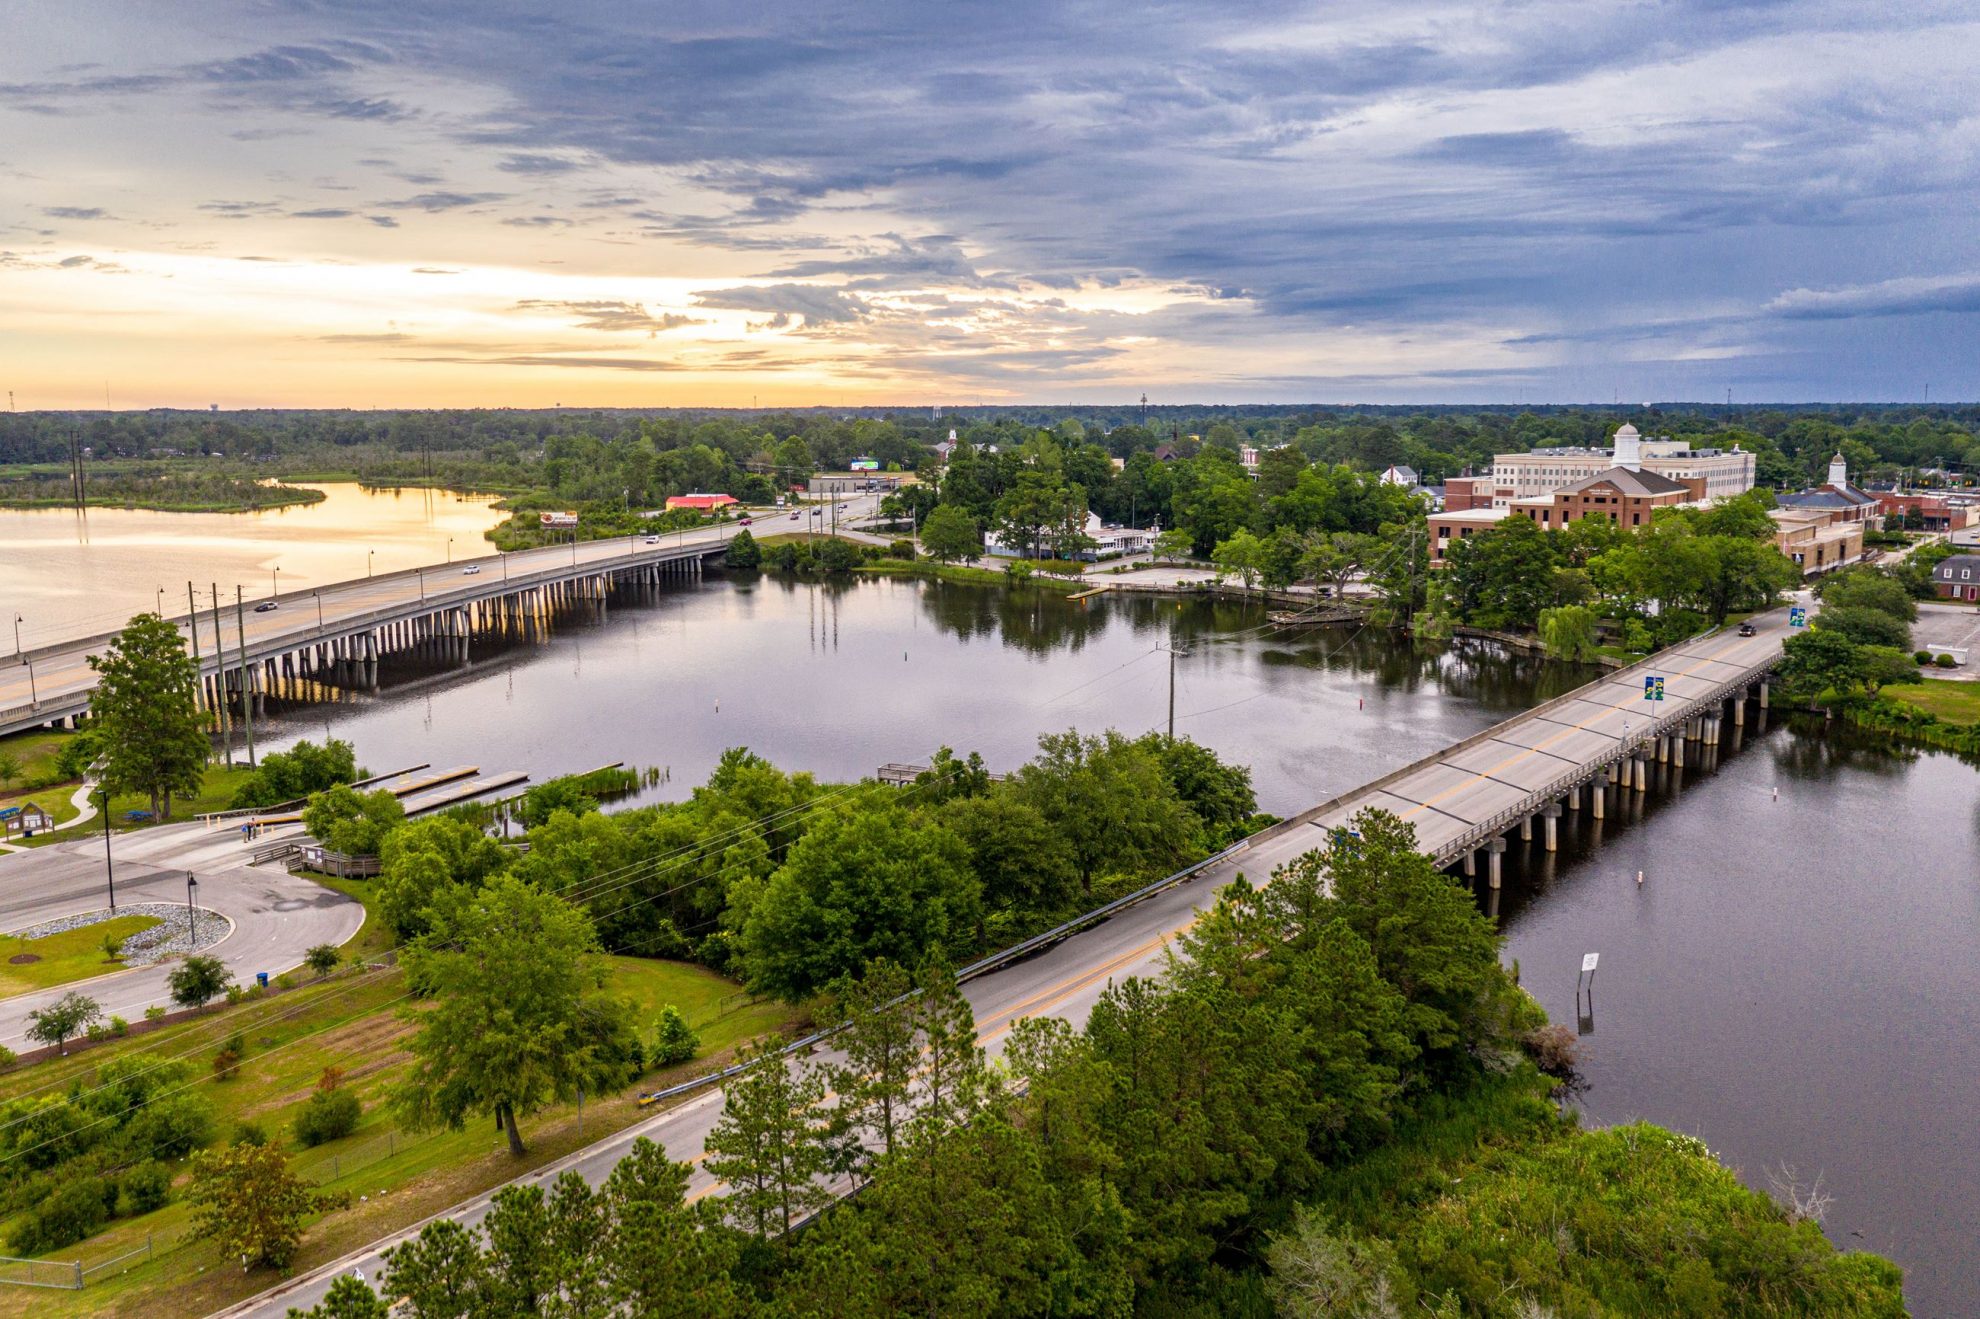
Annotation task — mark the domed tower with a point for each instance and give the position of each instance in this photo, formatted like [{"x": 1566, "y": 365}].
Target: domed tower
[
  {"x": 1629, "y": 448},
  {"x": 1838, "y": 471}
]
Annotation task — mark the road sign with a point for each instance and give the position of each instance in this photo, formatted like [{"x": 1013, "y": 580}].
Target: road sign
[
  {"x": 1798, "y": 616},
  {"x": 1588, "y": 961},
  {"x": 1653, "y": 688}
]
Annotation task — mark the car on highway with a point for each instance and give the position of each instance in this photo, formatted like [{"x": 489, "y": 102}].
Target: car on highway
[
  {"x": 651, "y": 540},
  {"x": 794, "y": 517},
  {"x": 1746, "y": 629},
  {"x": 744, "y": 522},
  {"x": 266, "y": 607},
  {"x": 472, "y": 570}
]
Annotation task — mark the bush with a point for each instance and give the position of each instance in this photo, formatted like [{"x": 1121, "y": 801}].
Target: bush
[
  {"x": 76, "y": 1210},
  {"x": 156, "y": 1012},
  {"x": 7, "y": 1056},
  {"x": 1946, "y": 662},
  {"x": 196, "y": 981},
  {"x": 96, "y": 1032},
  {"x": 143, "y": 1189},
  {"x": 171, "y": 1126},
  {"x": 250, "y": 1133},
  {"x": 1922, "y": 656},
  {"x": 902, "y": 549},
  {"x": 225, "y": 1064},
  {"x": 676, "y": 1043},
  {"x": 329, "y": 1115},
  {"x": 119, "y": 1027},
  {"x": 1554, "y": 1049}
]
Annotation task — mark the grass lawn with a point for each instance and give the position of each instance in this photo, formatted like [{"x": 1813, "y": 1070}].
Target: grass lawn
[
  {"x": 351, "y": 1021},
  {"x": 216, "y": 793},
  {"x": 70, "y": 955},
  {"x": 36, "y": 749},
  {"x": 1953, "y": 702}
]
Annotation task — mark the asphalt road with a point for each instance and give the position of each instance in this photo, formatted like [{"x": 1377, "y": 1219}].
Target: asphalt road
[
  {"x": 276, "y": 916},
  {"x": 1067, "y": 979},
  {"x": 57, "y": 676}
]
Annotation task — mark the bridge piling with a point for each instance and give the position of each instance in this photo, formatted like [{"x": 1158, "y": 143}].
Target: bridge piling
[
  {"x": 1551, "y": 814},
  {"x": 1494, "y": 849},
  {"x": 1526, "y": 829}
]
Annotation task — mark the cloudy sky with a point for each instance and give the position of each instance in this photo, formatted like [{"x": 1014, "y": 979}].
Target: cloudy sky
[{"x": 513, "y": 202}]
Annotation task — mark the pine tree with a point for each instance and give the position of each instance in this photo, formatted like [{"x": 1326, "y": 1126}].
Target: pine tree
[{"x": 770, "y": 1144}]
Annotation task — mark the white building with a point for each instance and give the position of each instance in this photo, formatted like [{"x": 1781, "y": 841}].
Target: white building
[
  {"x": 1517, "y": 476},
  {"x": 1109, "y": 542}
]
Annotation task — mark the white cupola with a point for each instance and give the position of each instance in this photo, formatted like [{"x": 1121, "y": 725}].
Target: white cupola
[
  {"x": 1838, "y": 471},
  {"x": 1629, "y": 447}
]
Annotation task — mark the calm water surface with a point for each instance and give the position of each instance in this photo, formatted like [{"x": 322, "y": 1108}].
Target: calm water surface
[
  {"x": 1795, "y": 982},
  {"x": 76, "y": 575}
]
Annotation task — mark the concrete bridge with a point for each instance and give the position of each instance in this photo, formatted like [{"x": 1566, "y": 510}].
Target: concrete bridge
[
  {"x": 1576, "y": 752},
  {"x": 334, "y": 636}
]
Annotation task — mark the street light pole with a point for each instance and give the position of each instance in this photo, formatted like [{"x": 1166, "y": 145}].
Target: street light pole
[
  {"x": 275, "y": 581},
  {"x": 367, "y": 561},
  {"x": 18, "y": 654},
  {"x": 109, "y": 872},
  {"x": 450, "y": 549},
  {"x": 161, "y": 602},
  {"x": 192, "y": 911},
  {"x": 34, "y": 696}
]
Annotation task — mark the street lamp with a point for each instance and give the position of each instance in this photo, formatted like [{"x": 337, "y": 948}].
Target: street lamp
[
  {"x": 275, "y": 581},
  {"x": 450, "y": 549},
  {"x": 34, "y": 696},
  {"x": 17, "y": 638},
  {"x": 109, "y": 873},
  {"x": 367, "y": 561},
  {"x": 161, "y": 602},
  {"x": 192, "y": 911}
]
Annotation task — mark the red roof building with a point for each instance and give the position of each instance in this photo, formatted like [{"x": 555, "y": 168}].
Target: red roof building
[{"x": 706, "y": 503}]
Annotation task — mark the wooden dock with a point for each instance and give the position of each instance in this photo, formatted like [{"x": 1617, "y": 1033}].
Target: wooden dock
[{"x": 457, "y": 792}]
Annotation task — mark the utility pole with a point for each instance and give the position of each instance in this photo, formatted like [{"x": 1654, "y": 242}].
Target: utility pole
[
  {"x": 220, "y": 677},
  {"x": 192, "y": 626},
  {"x": 247, "y": 675},
  {"x": 1173, "y": 652}
]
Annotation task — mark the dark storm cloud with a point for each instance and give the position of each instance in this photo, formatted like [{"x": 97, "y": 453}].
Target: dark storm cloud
[{"x": 1551, "y": 177}]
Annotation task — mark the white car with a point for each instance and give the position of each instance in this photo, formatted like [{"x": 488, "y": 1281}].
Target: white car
[
  {"x": 472, "y": 570},
  {"x": 651, "y": 540}
]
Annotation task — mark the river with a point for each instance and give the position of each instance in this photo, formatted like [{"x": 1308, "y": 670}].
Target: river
[
  {"x": 75, "y": 574},
  {"x": 1793, "y": 982}
]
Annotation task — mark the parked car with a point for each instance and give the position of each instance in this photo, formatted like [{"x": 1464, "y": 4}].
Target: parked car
[
  {"x": 472, "y": 570},
  {"x": 266, "y": 607},
  {"x": 1746, "y": 629}
]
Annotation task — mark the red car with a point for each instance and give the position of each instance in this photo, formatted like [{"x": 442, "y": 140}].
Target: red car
[{"x": 744, "y": 522}]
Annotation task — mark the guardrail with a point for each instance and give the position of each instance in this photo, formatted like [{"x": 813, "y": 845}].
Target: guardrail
[{"x": 982, "y": 966}]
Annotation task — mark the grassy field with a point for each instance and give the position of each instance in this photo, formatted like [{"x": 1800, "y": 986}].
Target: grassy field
[
  {"x": 1954, "y": 702},
  {"x": 350, "y": 1021},
  {"x": 60, "y": 958}
]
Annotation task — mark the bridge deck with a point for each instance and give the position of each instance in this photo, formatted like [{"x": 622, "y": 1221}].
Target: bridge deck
[{"x": 1474, "y": 790}]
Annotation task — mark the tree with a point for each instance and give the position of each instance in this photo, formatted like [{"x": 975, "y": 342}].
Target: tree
[
  {"x": 870, "y": 880},
  {"x": 951, "y": 534},
  {"x": 419, "y": 859},
  {"x": 355, "y": 823},
  {"x": 198, "y": 980},
  {"x": 663, "y": 1258},
  {"x": 1334, "y": 557},
  {"x": 1111, "y": 802},
  {"x": 1819, "y": 661},
  {"x": 1502, "y": 577},
  {"x": 1173, "y": 544},
  {"x": 770, "y": 1143},
  {"x": 349, "y": 1297},
  {"x": 440, "y": 1273},
  {"x": 323, "y": 959},
  {"x": 1242, "y": 554},
  {"x": 1867, "y": 588},
  {"x": 10, "y": 770},
  {"x": 66, "y": 1016},
  {"x": 1864, "y": 625},
  {"x": 743, "y": 551},
  {"x": 147, "y": 723},
  {"x": 879, "y": 1043},
  {"x": 1220, "y": 796},
  {"x": 1569, "y": 632},
  {"x": 518, "y": 1020},
  {"x": 247, "y": 1201},
  {"x": 291, "y": 775},
  {"x": 1021, "y": 861},
  {"x": 675, "y": 1042},
  {"x": 1037, "y": 502}
]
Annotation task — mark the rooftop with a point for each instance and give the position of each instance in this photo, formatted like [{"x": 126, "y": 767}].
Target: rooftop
[{"x": 1627, "y": 480}]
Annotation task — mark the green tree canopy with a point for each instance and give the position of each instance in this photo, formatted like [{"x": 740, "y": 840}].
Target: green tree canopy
[
  {"x": 147, "y": 725},
  {"x": 950, "y": 534},
  {"x": 517, "y": 1020}
]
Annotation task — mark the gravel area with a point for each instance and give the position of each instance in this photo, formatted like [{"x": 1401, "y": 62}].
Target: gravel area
[{"x": 169, "y": 938}]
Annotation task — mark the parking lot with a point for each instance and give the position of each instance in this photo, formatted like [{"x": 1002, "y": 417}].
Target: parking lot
[{"x": 1954, "y": 627}]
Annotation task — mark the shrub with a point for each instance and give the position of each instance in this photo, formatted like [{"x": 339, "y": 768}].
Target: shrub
[
  {"x": 323, "y": 958},
  {"x": 676, "y": 1043},
  {"x": 96, "y": 1031},
  {"x": 902, "y": 549},
  {"x": 329, "y": 1115},
  {"x": 7, "y": 1056},
  {"x": 1554, "y": 1049},
  {"x": 1923, "y": 656},
  {"x": 113, "y": 946},
  {"x": 156, "y": 1012},
  {"x": 285, "y": 981},
  {"x": 143, "y": 1189},
  {"x": 225, "y": 1064},
  {"x": 119, "y": 1027},
  {"x": 170, "y": 1126},
  {"x": 196, "y": 981},
  {"x": 78, "y": 1207},
  {"x": 250, "y": 1133},
  {"x": 1946, "y": 662}
]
